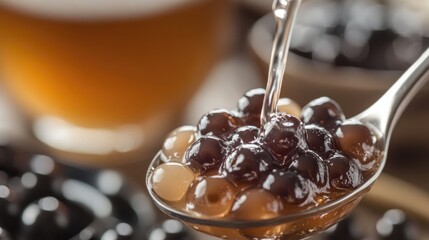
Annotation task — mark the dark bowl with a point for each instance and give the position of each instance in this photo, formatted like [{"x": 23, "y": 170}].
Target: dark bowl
[
  {"x": 354, "y": 88},
  {"x": 43, "y": 199}
]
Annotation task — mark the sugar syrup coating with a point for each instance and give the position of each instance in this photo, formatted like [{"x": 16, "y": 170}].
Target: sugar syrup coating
[
  {"x": 324, "y": 112},
  {"x": 171, "y": 180},
  {"x": 211, "y": 196},
  {"x": 287, "y": 185},
  {"x": 310, "y": 165},
  {"x": 248, "y": 163},
  {"x": 220, "y": 123},
  {"x": 243, "y": 135},
  {"x": 281, "y": 135},
  {"x": 344, "y": 173},
  {"x": 286, "y": 162},
  {"x": 250, "y": 106},
  {"x": 206, "y": 153},
  {"x": 356, "y": 140},
  {"x": 177, "y": 142},
  {"x": 320, "y": 140}
]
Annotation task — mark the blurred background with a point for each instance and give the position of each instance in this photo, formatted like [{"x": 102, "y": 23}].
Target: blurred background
[{"x": 97, "y": 85}]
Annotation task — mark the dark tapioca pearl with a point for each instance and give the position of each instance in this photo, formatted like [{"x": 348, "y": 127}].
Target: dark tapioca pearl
[
  {"x": 90, "y": 233},
  {"x": 319, "y": 140},
  {"x": 250, "y": 106},
  {"x": 170, "y": 230},
  {"x": 281, "y": 135},
  {"x": 3, "y": 178},
  {"x": 54, "y": 218},
  {"x": 28, "y": 187},
  {"x": 395, "y": 225},
  {"x": 345, "y": 229},
  {"x": 244, "y": 135},
  {"x": 323, "y": 112},
  {"x": 343, "y": 172},
  {"x": 4, "y": 235},
  {"x": 356, "y": 140},
  {"x": 287, "y": 184},
  {"x": 8, "y": 217},
  {"x": 122, "y": 231},
  {"x": 207, "y": 152},
  {"x": 7, "y": 160},
  {"x": 310, "y": 166},
  {"x": 247, "y": 163},
  {"x": 220, "y": 123},
  {"x": 46, "y": 218}
]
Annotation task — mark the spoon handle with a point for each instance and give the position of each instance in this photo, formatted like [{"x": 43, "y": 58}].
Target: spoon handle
[
  {"x": 384, "y": 113},
  {"x": 285, "y": 12}
]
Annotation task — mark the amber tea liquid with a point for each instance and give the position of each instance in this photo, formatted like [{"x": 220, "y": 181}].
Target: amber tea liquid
[{"x": 106, "y": 63}]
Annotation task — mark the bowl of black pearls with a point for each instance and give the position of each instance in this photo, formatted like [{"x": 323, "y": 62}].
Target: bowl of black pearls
[
  {"x": 352, "y": 51},
  {"x": 41, "y": 198}
]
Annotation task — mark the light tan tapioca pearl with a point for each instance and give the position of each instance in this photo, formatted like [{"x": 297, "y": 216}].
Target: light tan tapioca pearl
[
  {"x": 171, "y": 181},
  {"x": 211, "y": 196},
  {"x": 289, "y": 106},
  {"x": 257, "y": 204},
  {"x": 177, "y": 142}
]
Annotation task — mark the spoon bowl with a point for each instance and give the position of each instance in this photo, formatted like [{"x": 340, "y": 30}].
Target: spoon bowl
[{"x": 292, "y": 226}]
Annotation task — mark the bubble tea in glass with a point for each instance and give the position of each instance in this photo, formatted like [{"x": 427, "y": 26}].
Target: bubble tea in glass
[{"x": 101, "y": 77}]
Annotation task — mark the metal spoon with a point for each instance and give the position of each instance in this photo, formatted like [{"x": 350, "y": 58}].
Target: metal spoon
[{"x": 380, "y": 117}]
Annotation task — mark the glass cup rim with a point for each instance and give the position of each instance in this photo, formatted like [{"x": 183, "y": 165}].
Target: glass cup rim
[{"x": 233, "y": 223}]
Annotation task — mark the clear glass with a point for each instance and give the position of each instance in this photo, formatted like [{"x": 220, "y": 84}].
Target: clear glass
[{"x": 105, "y": 77}]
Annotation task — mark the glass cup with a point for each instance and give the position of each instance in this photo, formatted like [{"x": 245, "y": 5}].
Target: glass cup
[{"x": 100, "y": 78}]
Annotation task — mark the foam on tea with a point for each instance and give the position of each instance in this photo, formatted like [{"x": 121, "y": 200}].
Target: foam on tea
[{"x": 94, "y": 8}]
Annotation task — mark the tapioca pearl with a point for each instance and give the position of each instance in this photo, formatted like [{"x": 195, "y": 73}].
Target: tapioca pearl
[
  {"x": 310, "y": 165},
  {"x": 220, "y": 123},
  {"x": 206, "y": 153},
  {"x": 244, "y": 135},
  {"x": 122, "y": 231},
  {"x": 46, "y": 218},
  {"x": 344, "y": 173},
  {"x": 289, "y": 106},
  {"x": 356, "y": 140},
  {"x": 3, "y": 178},
  {"x": 8, "y": 159},
  {"x": 255, "y": 204},
  {"x": 345, "y": 229},
  {"x": 4, "y": 234},
  {"x": 178, "y": 141},
  {"x": 250, "y": 106},
  {"x": 8, "y": 219},
  {"x": 288, "y": 185},
  {"x": 281, "y": 135},
  {"x": 170, "y": 181},
  {"x": 320, "y": 140},
  {"x": 211, "y": 196},
  {"x": 396, "y": 225},
  {"x": 324, "y": 112},
  {"x": 247, "y": 164}
]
